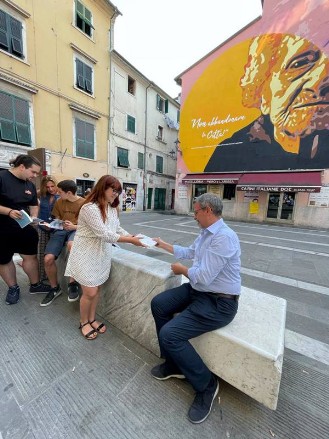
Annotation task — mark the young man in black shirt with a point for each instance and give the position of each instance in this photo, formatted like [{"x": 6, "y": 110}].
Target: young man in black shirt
[{"x": 17, "y": 192}]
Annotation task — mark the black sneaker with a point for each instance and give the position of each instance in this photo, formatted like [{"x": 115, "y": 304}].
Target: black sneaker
[
  {"x": 39, "y": 288},
  {"x": 203, "y": 401},
  {"x": 13, "y": 295},
  {"x": 73, "y": 290},
  {"x": 51, "y": 296},
  {"x": 161, "y": 372}
]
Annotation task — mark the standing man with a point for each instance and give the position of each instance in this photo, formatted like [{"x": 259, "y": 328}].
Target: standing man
[
  {"x": 17, "y": 192},
  {"x": 65, "y": 209},
  {"x": 208, "y": 302}
]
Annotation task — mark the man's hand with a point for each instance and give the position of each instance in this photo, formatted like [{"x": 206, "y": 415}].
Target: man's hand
[{"x": 179, "y": 268}]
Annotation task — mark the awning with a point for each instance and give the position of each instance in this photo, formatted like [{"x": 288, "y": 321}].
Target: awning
[
  {"x": 281, "y": 182},
  {"x": 211, "y": 178}
]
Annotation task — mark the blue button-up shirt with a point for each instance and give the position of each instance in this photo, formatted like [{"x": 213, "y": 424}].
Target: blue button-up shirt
[{"x": 216, "y": 260}]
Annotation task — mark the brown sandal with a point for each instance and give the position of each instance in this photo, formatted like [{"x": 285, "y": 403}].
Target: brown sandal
[
  {"x": 91, "y": 335},
  {"x": 98, "y": 329}
]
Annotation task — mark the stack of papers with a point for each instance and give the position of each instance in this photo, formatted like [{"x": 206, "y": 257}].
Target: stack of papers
[{"x": 146, "y": 240}]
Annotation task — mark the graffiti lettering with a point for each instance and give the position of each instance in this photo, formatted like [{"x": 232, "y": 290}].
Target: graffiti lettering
[
  {"x": 198, "y": 123},
  {"x": 229, "y": 119},
  {"x": 216, "y": 134}
]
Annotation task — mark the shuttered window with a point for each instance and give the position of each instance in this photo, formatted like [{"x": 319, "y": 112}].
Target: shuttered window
[
  {"x": 159, "y": 164},
  {"x": 140, "y": 160},
  {"x": 83, "y": 18},
  {"x": 84, "y": 76},
  {"x": 11, "y": 35},
  {"x": 84, "y": 135},
  {"x": 131, "y": 124},
  {"x": 123, "y": 161},
  {"x": 14, "y": 120}
]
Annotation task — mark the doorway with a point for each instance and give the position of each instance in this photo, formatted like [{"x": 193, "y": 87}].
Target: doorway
[
  {"x": 281, "y": 205},
  {"x": 159, "y": 199}
]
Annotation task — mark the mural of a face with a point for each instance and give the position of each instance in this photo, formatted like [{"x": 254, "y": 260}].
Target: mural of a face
[{"x": 287, "y": 77}]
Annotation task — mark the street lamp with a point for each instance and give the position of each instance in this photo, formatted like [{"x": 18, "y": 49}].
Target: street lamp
[{"x": 173, "y": 152}]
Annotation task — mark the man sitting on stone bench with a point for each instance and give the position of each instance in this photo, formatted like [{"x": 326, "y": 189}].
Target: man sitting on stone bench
[{"x": 208, "y": 302}]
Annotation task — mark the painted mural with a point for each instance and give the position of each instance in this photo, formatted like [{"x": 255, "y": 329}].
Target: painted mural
[{"x": 261, "y": 105}]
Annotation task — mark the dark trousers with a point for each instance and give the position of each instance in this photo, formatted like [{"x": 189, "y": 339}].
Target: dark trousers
[{"x": 199, "y": 313}]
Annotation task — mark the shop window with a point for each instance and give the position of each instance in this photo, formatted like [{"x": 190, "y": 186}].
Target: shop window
[
  {"x": 131, "y": 86},
  {"x": 84, "y": 76},
  {"x": 83, "y": 186},
  {"x": 123, "y": 161},
  {"x": 159, "y": 164},
  {"x": 14, "y": 120},
  {"x": 83, "y": 18},
  {"x": 140, "y": 160},
  {"x": 84, "y": 139},
  {"x": 11, "y": 39},
  {"x": 229, "y": 191}
]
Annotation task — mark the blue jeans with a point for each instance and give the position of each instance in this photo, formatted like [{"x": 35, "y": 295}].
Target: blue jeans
[{"x": 199, "y": 313}]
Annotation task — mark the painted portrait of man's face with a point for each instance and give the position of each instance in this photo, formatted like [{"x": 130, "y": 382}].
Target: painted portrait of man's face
[{"x": 287, "y": 78}]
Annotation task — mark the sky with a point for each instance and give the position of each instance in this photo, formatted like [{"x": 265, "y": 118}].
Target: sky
[{"x": 161, "y": 39}]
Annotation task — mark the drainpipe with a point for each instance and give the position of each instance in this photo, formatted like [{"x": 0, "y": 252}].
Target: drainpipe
[
  {"x": 111, "y": 116},
  {"x": 145, "y": 149}
]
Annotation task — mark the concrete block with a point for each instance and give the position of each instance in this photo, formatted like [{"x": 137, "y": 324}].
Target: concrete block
[
  {"x": 125, "y": 299},
  {"x": 248, "y": 353}
]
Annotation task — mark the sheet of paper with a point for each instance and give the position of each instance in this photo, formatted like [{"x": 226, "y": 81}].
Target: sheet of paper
[{"x": 146, "y": 240}]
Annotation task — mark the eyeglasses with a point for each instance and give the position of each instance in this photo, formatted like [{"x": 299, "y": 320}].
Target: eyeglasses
[{"x": 116, "y": 191}]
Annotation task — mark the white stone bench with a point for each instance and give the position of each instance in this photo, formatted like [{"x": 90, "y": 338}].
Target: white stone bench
[{"x": 248, "y": 353}]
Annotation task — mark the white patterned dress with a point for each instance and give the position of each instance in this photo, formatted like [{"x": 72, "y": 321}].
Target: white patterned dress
[{"x": 89, "y": 262}]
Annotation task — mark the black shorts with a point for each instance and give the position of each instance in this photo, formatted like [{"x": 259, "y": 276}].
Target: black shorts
[{"x": 16, "y": 240}]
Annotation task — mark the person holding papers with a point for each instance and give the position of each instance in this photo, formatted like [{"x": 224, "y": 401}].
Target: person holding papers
[
  {"x": 90, "y": 257},
  {"x": 47, "y": 198},
  {"x": 18, "y": 197},
  {"x": 66, "y": 210}
]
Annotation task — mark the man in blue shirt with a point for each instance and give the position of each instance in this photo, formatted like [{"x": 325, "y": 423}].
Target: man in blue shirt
[{"x": 208, "y": 302}]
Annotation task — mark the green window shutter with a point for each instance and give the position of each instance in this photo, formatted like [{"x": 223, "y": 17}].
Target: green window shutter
[
  {"x": 158, "y": 103},
  {"x": 83, "y": 18},
  {"x": 14, "y": 120},
  {"x": 123, "y": 158},
  {"x": 159, "y": 164},
  {"x": 21, "y": 109},
  {"x": 131, "y": 124},
  {"x": 79, "y": 71},
  {"x": 7, "y": 117},
  {"x": 166, "y": 105},
  {"x": 88, "y": 71},
  {"x": 84, "y": 133},
  {"x": 8, "y": 131},
  {"x": 84, "y": 75},
  {"x": 3, "y": 31},
  {"x": 178, "y": 116},
  {"x": 16, "y": 37},
  {"x": 140, "y": 160}
]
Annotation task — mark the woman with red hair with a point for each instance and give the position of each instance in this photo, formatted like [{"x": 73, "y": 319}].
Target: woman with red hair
[{"x": 90, "y": 257}]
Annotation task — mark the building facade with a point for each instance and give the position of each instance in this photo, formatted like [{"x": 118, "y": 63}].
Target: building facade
[
  {"x": 54, "y": 84},
  {"x": 255, "y": 119},
  {"x": 144, "y": 125}
]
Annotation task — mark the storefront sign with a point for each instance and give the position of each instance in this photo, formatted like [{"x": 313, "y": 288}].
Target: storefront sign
[
  {"x": 279, "y": 188},
  {"x": 211, "y": 181},
  {"x": 182, "y": 191},
  {"x": 321, "y": 199},
  {"x": 214, "y": 189}
]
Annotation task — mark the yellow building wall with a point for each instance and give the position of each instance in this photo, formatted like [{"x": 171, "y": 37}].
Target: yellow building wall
[{"x": 49, "y": 67}]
